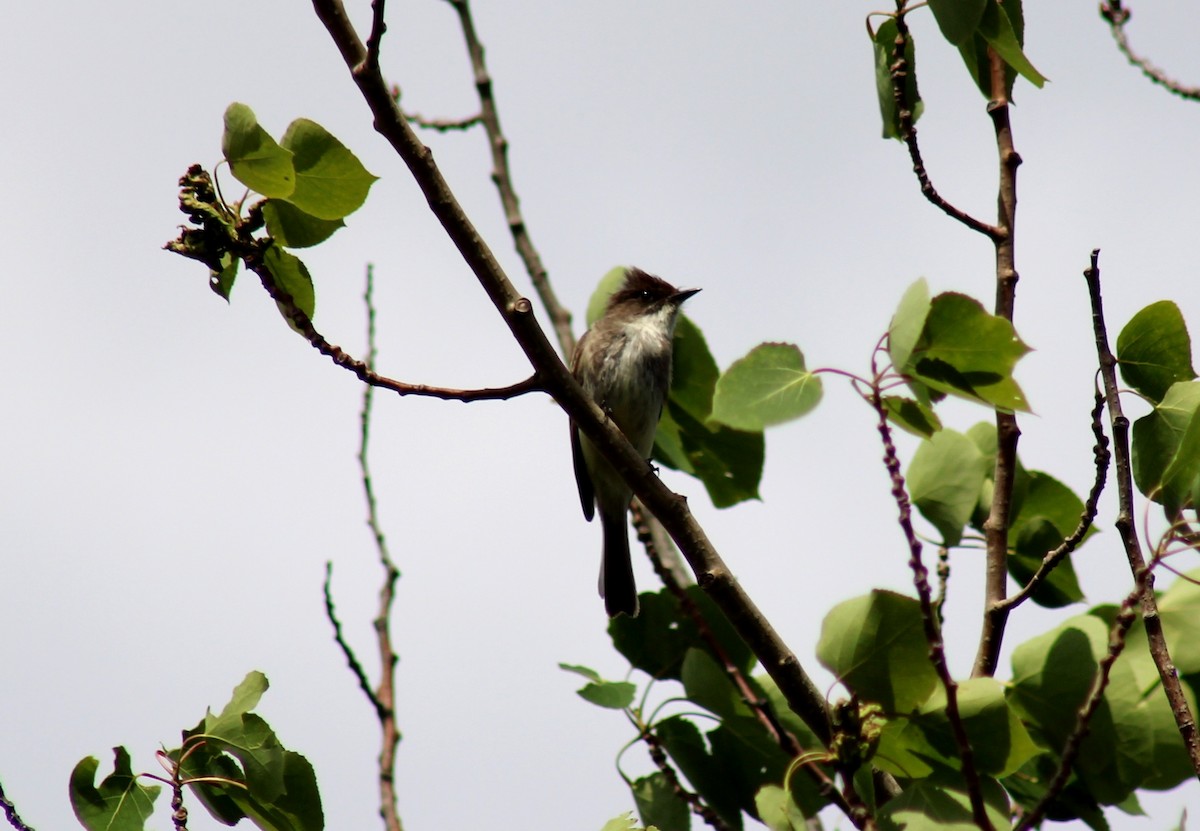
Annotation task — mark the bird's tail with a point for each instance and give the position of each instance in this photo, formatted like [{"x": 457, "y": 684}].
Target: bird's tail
[{"x": 616, "y": 569}]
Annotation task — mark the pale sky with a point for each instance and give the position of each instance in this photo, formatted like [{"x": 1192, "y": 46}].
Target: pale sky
[{"x": 174, "y": 472}]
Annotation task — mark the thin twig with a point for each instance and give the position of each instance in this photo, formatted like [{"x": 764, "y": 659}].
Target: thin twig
[
  {"x": 802, "y": 695},
  {"x": 10, "y": 811},
  {"x": 560, "y": 318},
  {"x": 356, "y": 667},
  {"x": 1117, "y": 16},
  {"x": 385, "y": 694},
  {"x": 235, "y": 236},
  {"x": 1053, "y": 558},
  {"x": 1125, "y": 524},
  {"x": 898, "y": 71},
  {"x": 375, "y": 38},
  {"x": 929, "y": 619}
]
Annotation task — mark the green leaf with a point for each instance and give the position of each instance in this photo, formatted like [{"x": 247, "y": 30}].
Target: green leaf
[
  {"x": 688, "y": 750},
  {"x": 587, "y": 672},
  {"x": 221, "y": 282},
  {"x": 917, "y": 746},
  {"x": 612, "y": 695},
  {"x": 771, "y": 385},
  {"x": 624, "y": 822},
  {"x": 1049, "y": 512},
  {"x": 967, "y": 352},
  {"x": 1154, "y": 350},
  {"x": 1179, "y": 609},
  {"x": 1181, "y": 481},
  {"x": 908, "y": 323},
  {"x": 331, "y": 182},
  {"x": 729, "y": 462},
  {"x": 974, "y": 52},
  {"x": 292, "y": 276},
  {"x": 884, "y": 43},
  {"x": 254, "y": 158},
  {"x": 1028, "y": 786},
  {"x": 876, "y": 646},
  {"x": 777, "y": 810},
  {"x": 927, "y": 805},
  {"x": 1169, "y": 763},
  {"x": 1158, "y": 437},
  {"x": 958, "y": 19},
  {"x": 292, "y": 227},
  {"x": 944, "y": 479},
  {"x": 119, "y": 804},
  {"x": 911, "y": 416},
  {"x": 658, "y": 805},
  {"x": 997, "y": 29},
  {"x": 246, "y": 696},
  {"x": 706, "y": 684},
  {"x": 659, "y": 638},
  {"x": 693, "y": 370},
  {"x": 1052, "y": 675},
  {"x": 279, "y": 788}
]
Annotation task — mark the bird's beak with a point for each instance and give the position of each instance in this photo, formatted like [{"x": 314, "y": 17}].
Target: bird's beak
[{"x": 683, "y": 294}]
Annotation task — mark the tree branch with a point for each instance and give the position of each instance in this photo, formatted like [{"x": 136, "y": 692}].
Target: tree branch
[
  {"x": 1117, "y": 16},
  {"x": 712, "y": 573},
  {"x": 929, "y": 618},
  {"x": 10, "y": 811},
  {"x": 996, "y": 526},
  {"x": 1172, "y": 686},
  {"x": 1054, "y": 558},
  {"x": 560, "y": 318},
  {"x": 899, "y": 70}
]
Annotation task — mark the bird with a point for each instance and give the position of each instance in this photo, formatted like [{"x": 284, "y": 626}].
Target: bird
[{"x": 624, "y": 363}]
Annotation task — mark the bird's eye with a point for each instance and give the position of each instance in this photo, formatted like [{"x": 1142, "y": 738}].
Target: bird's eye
[{"x": 645, "y": 295}]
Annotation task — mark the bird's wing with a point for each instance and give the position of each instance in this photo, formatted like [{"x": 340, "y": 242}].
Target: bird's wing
[{"x": 587, "y": 493}]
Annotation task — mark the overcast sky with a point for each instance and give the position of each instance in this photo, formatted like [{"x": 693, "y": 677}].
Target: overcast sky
[{"x": 175, "y": 471}]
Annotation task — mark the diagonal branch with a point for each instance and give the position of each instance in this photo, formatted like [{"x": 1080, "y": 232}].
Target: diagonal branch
[
  {"x": 712, "y": 574},
  {"x": 1125, "y": 524}
]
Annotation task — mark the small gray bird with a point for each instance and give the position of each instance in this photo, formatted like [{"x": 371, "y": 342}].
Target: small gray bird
[{"x": 624, "y": 363}]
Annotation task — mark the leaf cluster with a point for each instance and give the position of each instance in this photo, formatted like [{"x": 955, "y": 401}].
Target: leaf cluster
[
  {"x": 231, "y": 762},
  {"x": 310, "y": 182}
]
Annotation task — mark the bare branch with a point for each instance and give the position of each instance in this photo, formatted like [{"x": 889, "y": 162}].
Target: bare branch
[
  {"x": 10, "y": 811},
  {"x": 1054, "y": 558},
  {"x": 1117, "y": 16},
  {"x": 1125, "y": 525},
  {"x": 899, "y": 70},
  {"x": 352, "y": 661},
  {"x": 560, "y": 318}
]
